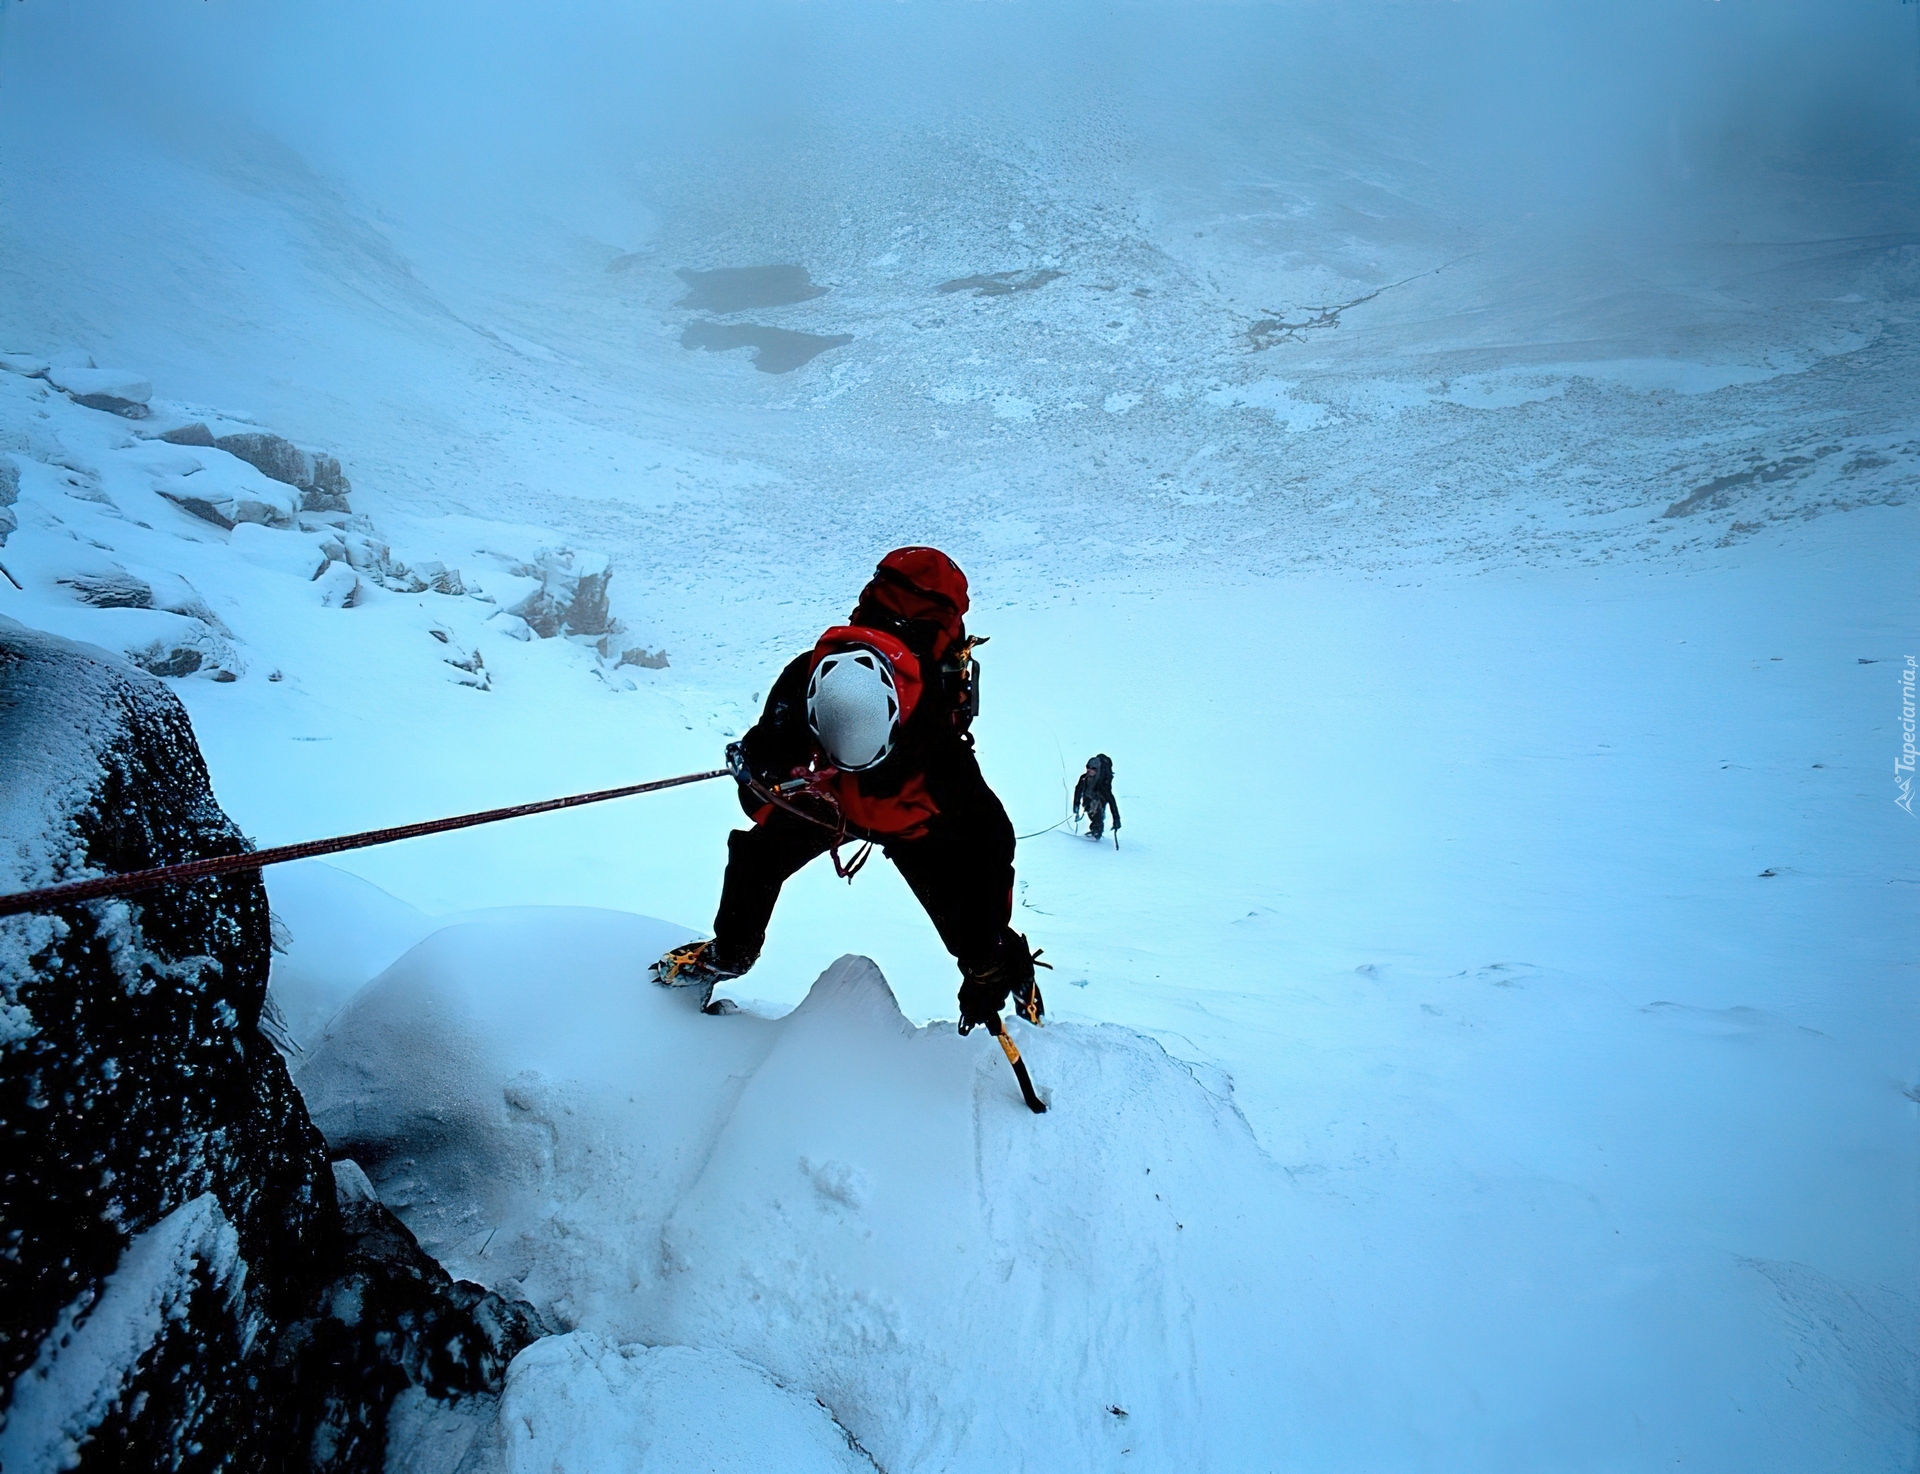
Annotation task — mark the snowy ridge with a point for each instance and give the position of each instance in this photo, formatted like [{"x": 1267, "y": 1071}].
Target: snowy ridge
[{"x": 861, "y": 1207}]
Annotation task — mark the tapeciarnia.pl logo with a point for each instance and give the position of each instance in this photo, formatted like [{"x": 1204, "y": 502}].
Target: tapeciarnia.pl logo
[{"x": 1903, "y": 765}]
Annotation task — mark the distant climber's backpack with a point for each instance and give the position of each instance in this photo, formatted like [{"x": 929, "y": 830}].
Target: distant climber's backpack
[{"x": 1103, "y": 773}]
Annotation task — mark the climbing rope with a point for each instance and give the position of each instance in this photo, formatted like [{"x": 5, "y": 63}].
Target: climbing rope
[
  {"x": 1038, "y": 832},
  {"x": 77, "y": 891}
]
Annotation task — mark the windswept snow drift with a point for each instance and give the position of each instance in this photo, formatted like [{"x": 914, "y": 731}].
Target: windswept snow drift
[{"x": 861, "y": 1207}]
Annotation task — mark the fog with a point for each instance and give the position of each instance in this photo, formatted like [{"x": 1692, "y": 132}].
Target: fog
[{"x": 1620, "y": 110}]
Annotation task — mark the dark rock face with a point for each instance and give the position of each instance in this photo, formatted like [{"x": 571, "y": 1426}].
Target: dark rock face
[
  {"x": 129, "y": 409},
  {"x": 9, "y": 494},
  {"x": 175, "y": 1268},
  {"x": 390, "y": 1319},
  {"x": 135, "y": 1079},
  {"x": 327, "y": 492},
  {"x": 270, "y": 455}
]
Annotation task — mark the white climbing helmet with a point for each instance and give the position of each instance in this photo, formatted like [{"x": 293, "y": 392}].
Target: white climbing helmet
[{"x": 853, "y": 706}]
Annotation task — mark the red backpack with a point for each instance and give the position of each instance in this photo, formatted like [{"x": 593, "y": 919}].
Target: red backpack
[{"x": 920, "y": 586}]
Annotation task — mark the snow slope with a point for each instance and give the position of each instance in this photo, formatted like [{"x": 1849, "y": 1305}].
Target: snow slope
[
  {"x": 1471, "y": 502},
  {"x": 864, "y": 1208}
]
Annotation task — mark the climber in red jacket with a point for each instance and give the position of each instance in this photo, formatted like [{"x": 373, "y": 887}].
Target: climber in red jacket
[{"x": 865, "y": 740}]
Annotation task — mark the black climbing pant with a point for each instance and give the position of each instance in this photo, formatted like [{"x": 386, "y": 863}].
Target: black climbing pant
[{"x": 962, "y": 872}]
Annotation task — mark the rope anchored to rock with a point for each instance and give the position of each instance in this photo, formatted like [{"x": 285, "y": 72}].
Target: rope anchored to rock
[{"x": 74, "y": 892}]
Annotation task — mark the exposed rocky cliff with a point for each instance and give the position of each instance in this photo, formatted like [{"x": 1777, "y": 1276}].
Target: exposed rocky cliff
[{"x": 183, "y": 1285}]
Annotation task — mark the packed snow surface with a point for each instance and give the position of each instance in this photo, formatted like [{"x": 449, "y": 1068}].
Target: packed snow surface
[
  {"x": 1458, "y": 460},
  {"x": 864, "y": 1208}
]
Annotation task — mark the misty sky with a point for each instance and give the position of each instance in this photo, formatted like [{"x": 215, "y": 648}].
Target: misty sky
[{"x": 494, "y": 109}]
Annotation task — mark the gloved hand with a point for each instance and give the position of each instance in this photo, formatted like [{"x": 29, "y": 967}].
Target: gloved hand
[
  {"x": 737, "y": 764},
  {"x": 982, "y": 996}
]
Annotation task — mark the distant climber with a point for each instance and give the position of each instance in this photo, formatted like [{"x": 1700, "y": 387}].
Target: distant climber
[
  {"x": 864, "y": 739},
  {"x": 1093, "y": 795}
]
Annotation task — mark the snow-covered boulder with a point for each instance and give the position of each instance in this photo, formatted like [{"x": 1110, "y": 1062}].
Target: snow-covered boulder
[
  {"x": 157, "y": 620},
  {"x": 182, "y": 1287},
  {"x": 134, "y": 1079},
  {"x": 114, "y": 390},
  {"x": 227, "y": 492},
  {"x": 270, "y": 455},
  {"x": 194, "y": 434},
  {"x": 321, "y": 482},
  {"x": 169, "y": 644},
  {"x": 328, "y": 489},
  {"x": 323, "y": 486}
]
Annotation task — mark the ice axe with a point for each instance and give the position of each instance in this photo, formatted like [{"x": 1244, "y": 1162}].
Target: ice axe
[{"x": 1012, "y": 1051}]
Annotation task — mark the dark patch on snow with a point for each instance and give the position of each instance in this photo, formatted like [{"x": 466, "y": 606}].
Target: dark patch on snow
[
  {"x": 1717, "y": 494},
  {"x": 743, "y": 288},
  {"x": 1000, "y": 283},
  {"x": 780, "y": 350}
]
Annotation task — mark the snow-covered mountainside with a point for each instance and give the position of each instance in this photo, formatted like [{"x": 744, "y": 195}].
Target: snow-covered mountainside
[{"x": 1458, "y": 460}]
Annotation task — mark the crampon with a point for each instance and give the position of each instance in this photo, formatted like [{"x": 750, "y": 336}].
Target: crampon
[{"x": 693, "y": 965}]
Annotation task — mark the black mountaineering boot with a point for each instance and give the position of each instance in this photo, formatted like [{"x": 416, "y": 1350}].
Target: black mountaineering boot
[{"x": 696, "y": 965}]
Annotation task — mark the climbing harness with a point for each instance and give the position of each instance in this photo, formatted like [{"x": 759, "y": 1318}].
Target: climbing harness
[
  {"x": 74, "y": 892},
  {"x": 813, "y": 783}
]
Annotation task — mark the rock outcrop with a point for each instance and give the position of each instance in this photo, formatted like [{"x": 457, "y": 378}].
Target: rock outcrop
[
  {"x": 322, "y": 485},
  {"x": 113, "y": 390},
  {"x": 182, "y": 1285},
  {"x": 572, "y": 597},
  {"x": 9, "y": 494}
]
